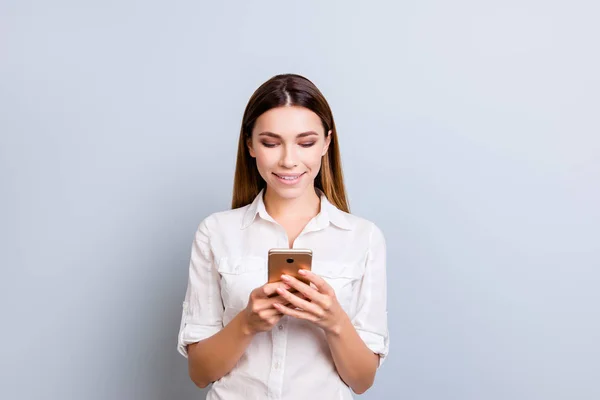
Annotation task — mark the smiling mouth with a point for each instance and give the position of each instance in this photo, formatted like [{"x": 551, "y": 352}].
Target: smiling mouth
[{"x": 288, "y": 178}]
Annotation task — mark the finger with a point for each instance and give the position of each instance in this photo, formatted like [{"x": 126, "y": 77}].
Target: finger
[
  {"x": 296, "y": 313},
  {"x": 300, "y": 303},
  {"x": 297, "y": 293},
  {"x": 269, "y": 313},
  {"x": 276, "y": 299},
  {"x": 302, "y": 287},
  {"x": 320, "y": 283},
  {"x": 292, "y": 291},
  {"x": 266, "y": 304},
  {"x": 267, "y": 290}
]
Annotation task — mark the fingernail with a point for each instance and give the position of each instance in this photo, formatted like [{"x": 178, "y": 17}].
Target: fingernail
[
  {"x": 302, "y": 272},
  {"x": 285, "y": 277}
]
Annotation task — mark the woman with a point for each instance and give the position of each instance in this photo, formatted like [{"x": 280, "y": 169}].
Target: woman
[{"x": 286, "y": 340}]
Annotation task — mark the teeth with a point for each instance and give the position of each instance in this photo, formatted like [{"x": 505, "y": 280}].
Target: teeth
[{"x": 289, "y": 178}]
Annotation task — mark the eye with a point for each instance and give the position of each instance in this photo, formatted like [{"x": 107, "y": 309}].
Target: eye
[
  {"x": 310, "y": 144},
  {"x": 269, "y": 145}
]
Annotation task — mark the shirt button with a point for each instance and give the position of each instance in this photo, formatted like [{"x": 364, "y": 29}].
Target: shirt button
[
  {"x": 280, "y": 327},
  {"x": 277, "y": 365}
]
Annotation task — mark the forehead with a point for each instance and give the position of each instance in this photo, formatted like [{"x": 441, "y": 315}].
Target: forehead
[{"x": 288, "y": 121}]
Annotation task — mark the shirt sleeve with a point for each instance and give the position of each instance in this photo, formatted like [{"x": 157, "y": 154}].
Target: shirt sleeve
[
  {"x": 202, "y": 314},
  {"x": 370, "y": 319}
]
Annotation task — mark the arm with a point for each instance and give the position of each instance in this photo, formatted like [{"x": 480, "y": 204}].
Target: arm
[
  {"x": 355, "y": 362},
  {"x": 210, "y": 359},
  {"x": 213, "y": 350},
  {"x": 358, "y": 345},
  {"x": 202, "y": 316}
]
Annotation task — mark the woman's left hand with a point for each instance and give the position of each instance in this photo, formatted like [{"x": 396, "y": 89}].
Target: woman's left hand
[{"x": 319, "y": 305}]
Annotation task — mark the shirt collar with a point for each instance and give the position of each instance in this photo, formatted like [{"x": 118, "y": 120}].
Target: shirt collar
[{"x": 329, "y": 213}]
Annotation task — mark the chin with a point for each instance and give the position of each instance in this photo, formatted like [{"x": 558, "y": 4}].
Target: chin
[{"x": 288, "y": 192}]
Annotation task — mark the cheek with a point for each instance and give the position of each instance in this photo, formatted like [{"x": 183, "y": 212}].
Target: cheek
[
  {"x": 313, "y": 160},
  {"x": 265, "y": 159}
]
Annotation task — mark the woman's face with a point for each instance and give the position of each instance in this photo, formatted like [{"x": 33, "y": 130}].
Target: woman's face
[{"x": 288, "y": 144}]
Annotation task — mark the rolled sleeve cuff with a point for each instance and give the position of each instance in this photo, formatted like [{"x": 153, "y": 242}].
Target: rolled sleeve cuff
[
  {"x": 194, "y": 333},
  {"x": 377, "y": 343}
]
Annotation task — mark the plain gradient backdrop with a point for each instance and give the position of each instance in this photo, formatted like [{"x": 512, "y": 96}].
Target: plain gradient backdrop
[{"x": 469, "y": 132}]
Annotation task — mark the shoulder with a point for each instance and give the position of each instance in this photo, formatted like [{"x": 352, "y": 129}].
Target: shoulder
[
  {"x": 223, "y": 221},
  {"x": 361, "y": 223},
  {"x": 365, "y": 226}
]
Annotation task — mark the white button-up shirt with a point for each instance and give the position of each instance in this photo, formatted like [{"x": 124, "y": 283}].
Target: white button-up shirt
[{"x": 293, "y": 360}]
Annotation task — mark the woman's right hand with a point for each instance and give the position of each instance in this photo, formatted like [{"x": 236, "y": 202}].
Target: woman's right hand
[{"x": 259, "y": 314}]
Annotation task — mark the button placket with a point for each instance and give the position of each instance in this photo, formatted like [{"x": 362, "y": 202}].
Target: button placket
[{"x": 279, "y": 340}]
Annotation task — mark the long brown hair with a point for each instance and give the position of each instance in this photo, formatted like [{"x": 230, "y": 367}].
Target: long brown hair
[{"x": 288, "y": 90}]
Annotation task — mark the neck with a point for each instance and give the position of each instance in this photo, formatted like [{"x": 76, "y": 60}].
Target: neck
[{"x": 306, "y": 205}]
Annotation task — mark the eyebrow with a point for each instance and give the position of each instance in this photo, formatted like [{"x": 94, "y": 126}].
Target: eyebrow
[{"x": 303, "y": 134}]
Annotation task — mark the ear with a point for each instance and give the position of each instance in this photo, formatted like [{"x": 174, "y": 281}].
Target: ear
[
  {"x": 250, "y": 148},
  {"x": 327, "y": 143}
]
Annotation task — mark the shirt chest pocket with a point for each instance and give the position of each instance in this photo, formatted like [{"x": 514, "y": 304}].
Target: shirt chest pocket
[
  {"x": 239, "y": 277},
  {"x": 342, "y": 277}
]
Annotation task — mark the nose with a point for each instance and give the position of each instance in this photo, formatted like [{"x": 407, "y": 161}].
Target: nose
[{"x": 288, "y": 157}]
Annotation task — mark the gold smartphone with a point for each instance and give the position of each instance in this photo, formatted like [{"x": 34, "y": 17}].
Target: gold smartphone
[{"x": 289, "y": 261}]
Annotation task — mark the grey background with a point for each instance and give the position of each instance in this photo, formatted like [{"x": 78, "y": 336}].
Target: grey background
[{"x": 469, "y": 133}]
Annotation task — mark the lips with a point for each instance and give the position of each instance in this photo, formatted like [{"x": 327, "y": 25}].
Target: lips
[{"x": 289, "y": 179}]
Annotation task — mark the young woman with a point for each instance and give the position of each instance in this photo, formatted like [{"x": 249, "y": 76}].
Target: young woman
[{"x": 286, "y": 340}]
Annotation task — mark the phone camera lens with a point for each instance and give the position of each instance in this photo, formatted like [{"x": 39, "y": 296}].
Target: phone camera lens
[{"x": 290, "y": 260}]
